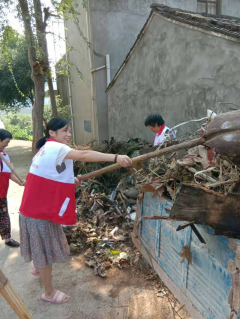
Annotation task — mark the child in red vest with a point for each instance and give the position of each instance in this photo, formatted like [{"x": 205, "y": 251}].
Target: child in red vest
[
  {"x": 49, "y": 202},
  {"x": 5, "y": 176},
  {"x": 156, "y": 124}
]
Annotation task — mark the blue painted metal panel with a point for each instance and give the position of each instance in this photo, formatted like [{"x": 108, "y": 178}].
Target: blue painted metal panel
[{"x": 207, "y": 282}]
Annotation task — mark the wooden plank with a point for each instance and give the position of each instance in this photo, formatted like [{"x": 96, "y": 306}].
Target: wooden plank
[
  {"x": 206, "y": 207},
  {"x": 8, "y": 293},
  {"x": 156, "y": 217}
]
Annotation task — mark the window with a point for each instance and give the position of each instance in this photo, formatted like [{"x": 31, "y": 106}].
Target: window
[{"x": 209, "y": 6}]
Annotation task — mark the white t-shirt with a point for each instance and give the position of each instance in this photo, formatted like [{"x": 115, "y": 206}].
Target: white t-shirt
[
  {"x": 166, "y": 134},
  {"x": 62, "y": 154}
]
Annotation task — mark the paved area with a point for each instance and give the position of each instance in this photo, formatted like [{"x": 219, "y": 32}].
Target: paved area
[{"x": 120, "y": 295}]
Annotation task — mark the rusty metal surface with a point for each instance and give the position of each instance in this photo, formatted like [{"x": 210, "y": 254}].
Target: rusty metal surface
[{"x": 223, "y": 135}]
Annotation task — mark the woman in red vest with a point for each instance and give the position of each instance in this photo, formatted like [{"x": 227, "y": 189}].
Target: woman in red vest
[
  {"x": 5, "y": 176},
  {"x": 49, "y": 202}
]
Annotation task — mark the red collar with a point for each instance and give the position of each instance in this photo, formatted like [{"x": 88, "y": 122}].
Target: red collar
[
  {"x": 50, "y": 140},
  {"x": 161, "y": 130},
  {"x": 3, "y": 153}
]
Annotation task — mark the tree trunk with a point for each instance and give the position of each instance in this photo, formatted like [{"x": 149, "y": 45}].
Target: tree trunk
[
  {"x": 40, "y": 66},
  {"x": 52, "y": 96},
  {"x": 37, "y": 75},
  {"x": 37, "y": 111},
  {"x": 42, "y": 42},
  {"x": 39, "y": 93}
]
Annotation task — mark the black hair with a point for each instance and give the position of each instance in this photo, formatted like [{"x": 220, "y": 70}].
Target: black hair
[
  {"x": 153, "y": 119},
  {"x": 5, "y": 134},
  {"x": 54, "y": 124}
]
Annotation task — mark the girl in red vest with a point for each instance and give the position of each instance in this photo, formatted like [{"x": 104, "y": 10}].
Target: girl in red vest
[
  {"x": 5, "y": 176},
  {"x": 49, "y": 202}
]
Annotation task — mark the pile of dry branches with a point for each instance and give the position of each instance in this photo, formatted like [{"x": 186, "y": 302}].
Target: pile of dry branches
[{"x": 165, "y": 174}]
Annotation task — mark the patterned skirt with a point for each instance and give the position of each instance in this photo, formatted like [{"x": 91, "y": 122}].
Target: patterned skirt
[
  {"x": 5, "y": 225},
  {"x": 42, "y": 242}
]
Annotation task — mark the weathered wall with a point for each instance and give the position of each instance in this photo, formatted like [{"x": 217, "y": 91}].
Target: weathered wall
[
  {"x": 177, "y": 72},
  {"x": 190, "y": 5},
  {"x": 81, "y": 90},
  {"x": 231, "y": 8},
  {"x": 115, "y": 26},
  {"x": 113, "y": 29}
]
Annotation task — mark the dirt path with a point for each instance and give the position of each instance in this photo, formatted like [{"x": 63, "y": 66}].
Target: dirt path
[{"x": 120, "y": 296}]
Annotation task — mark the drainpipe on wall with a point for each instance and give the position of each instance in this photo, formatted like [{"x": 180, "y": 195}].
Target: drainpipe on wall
[
  {"x": 100, "y": 68},
  {"x": 107, "y": 66},
  {"x": 108, "y": 69}
]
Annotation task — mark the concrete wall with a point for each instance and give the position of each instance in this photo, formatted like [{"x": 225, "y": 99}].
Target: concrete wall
[
  {"x": 177, "y": 72},
  {"x": 115, "y": 26},
  {"x": 190, "y": 5},
  {"x": 112, "y": 29},
  {"x": 84, "y": 116},
  {"x": 231, "y": 8}
]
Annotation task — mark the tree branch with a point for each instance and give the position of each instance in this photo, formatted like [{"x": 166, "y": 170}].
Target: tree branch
[
  {"x": 47, "y": 14},
  {"x": 27, "y": 21}
]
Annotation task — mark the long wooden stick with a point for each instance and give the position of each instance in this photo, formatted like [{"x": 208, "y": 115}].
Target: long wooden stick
[
  {"x": 11, "y": 167},
  {"x": 12, "y": 298},
  {"x": 167, "y": 150},
  {"x": 156, "y": 217}
]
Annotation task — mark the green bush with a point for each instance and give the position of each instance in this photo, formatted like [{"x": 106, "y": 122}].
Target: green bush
[
  {"x": 20, "y": 133},
  {"x": 20, "y": 125},
  {"x": 63, "y": 111}
]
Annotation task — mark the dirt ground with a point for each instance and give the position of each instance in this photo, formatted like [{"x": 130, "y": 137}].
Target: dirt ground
[{"x": 123, "y": 294}]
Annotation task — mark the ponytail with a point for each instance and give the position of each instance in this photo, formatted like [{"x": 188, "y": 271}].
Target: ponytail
[
  {"x": 41, "y": 142},
  {"x": 54, "y": 124}
]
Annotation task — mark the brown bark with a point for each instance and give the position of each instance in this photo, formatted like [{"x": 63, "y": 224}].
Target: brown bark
[
  {"x": 39, "y": 66},
  {"x": 42, "y": 42},
  {"x": 37, "y": 111},
  {"x": 37, "y": 75},
  {"x": 52, "y": 97}
]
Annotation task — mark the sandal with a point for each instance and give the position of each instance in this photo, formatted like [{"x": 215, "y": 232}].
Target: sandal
[
  {"x": 34, "y": 272},
  {"x": 58, "y": 297},
  {"x": 12, "y": 243}
]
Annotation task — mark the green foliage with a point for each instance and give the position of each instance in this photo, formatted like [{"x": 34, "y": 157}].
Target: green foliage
[
  {"x": 20, "y": 125},
  {"x": 63, "y": 111},
  {"x": 16, "y": 85},
  {"x": 63, "y": 67},
  {"x": 20, "y": 134}
]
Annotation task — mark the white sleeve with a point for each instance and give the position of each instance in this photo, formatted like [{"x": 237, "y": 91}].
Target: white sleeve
[{"x": 62, "y": 154}]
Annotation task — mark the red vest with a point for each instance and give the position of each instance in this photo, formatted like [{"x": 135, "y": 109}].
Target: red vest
[
  {"x": 50, "y": 191},
  {"x": 5, "y": 174}
]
